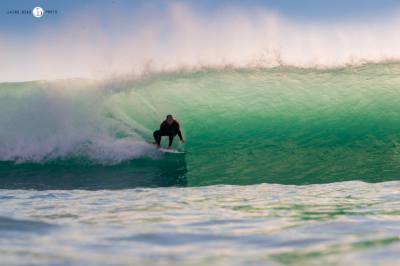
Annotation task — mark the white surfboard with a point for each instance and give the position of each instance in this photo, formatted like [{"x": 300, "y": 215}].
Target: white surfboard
[
  {"x": 170, "y": 151},
  {"x": 167, "y": 150}
]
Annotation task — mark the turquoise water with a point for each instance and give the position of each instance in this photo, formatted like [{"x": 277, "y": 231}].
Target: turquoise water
[
  {"x": 249, "y": 126},
  {"x": 281, "y": 166}
]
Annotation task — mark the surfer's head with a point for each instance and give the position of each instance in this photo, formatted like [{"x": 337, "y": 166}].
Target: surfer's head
[{"x": 170, "y": 119}]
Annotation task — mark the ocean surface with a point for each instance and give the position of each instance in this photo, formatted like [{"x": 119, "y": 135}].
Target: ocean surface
[
  {"x": 282, "y": 166},
  {"x": 346, "y": 223}
]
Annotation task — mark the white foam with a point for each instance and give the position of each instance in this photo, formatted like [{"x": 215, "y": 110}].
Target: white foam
[{"x": 52, "y": 122}]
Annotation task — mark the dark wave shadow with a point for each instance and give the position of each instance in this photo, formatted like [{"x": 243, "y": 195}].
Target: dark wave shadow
[
  {"x": 75, "y": 174},
  {"x": 15, "y": 225}
]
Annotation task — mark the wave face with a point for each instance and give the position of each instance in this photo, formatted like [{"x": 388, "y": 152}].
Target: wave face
[{"x": 243, "y": 126}]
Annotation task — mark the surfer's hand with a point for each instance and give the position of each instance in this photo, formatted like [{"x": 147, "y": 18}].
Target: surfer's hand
[{"x": 182, "y": 141}]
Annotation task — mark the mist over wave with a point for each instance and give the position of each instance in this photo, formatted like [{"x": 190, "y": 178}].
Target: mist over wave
[
  {"x": 186, "y": 39},
  {"x": 42, "y": 121}
]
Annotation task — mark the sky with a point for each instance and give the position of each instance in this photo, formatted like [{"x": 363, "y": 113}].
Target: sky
[
  {"x": 116, "y": 24},
  {"x": 309, "y": 10}
]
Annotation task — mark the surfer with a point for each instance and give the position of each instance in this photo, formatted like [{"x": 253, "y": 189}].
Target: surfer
[{"x": 169, "y": 127}]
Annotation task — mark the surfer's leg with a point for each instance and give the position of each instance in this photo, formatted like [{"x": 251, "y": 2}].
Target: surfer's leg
[
  {"x": 171, "y": 139},
  {"x": 157, "y": 137}
]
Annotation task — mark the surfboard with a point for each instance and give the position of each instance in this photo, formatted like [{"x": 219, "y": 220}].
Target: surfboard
[
  {"x": 170, "y": 151},
  {"x": 164, "y": 150}
]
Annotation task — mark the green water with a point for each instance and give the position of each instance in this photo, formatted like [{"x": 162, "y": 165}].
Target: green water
[
  {"x": 80, "y": 185},
  {"x": 249, "y": 126},
  {"x": 285, "y": 126},
  {"x": 342, "y": 223}
]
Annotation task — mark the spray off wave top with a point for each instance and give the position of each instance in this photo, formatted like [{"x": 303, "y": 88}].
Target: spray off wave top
[{"x": 182, "y": 39}]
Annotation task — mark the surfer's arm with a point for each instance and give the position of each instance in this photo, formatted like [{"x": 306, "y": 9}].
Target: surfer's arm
[
  {"x": 178, "y": 131},
  {"x": 180, "y": 135}
]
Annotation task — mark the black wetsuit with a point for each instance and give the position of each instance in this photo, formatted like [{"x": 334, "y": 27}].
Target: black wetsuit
[{"x": 167, "y": 130}]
